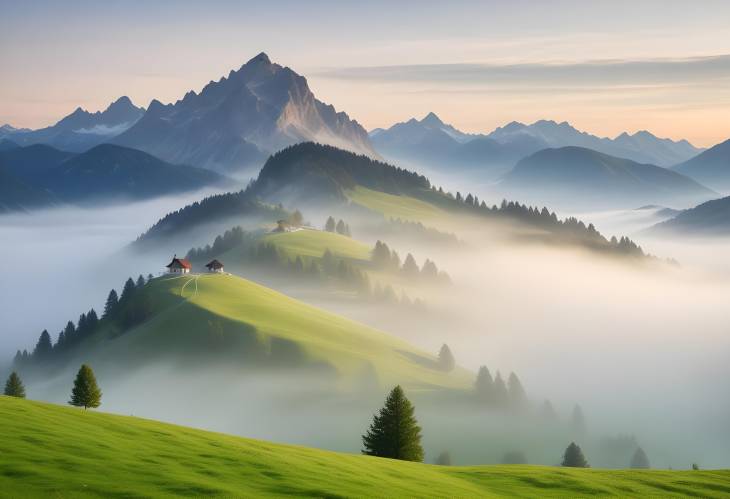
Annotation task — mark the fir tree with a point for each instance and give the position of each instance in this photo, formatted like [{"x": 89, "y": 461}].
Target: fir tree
[
  {"x": 69, "y": 336},
  {"x": 394, "y": 432},
  {"x": 140, "y": 281},
  {"x": 501, "y": 396},
  {"x": 410, "y": 268},
  {"x": 127, "y": 291},
  {"x": 329, "y": 226},
  {"x": 446, "y": 358},
  {"x": 574, "y": 458},
  {"x": 517, "y": 395},
  {"x": 44, "y": 347},
  {"x": 111, "y": 303},
  {"x": 86, "y": 392},
  {"x": 14, "y": 386},
  {"x": 484, "y": 386},
  {"x": 639, "y": 460},
  {"x": 443, "y": 459},
  {"x": 340, "y": 228}
]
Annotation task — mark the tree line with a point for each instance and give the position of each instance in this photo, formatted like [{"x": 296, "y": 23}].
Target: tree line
[
  {"x": 340, "y": 227},
  {"x": 383, "y": 258},
  {"x": 119, "y": 309}
]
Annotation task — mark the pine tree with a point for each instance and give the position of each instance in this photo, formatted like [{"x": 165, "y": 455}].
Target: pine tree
[
  {"x": 86, "y": 392},
  {"x": 340, "y": 228},
  {"x": 574, "y": 458},
  {"x": 501, "y": 396},
  {"x": 446, "y": 358},
  {"x": 69, "y": 336},
  {"x": 548, "y": 412},
  {"x": 127, "y": 291},
  {"x": 140, "y": 282},
  {"x": 517, "y": 395},
  {"x": 410, "y": 268},
  {"x": 394, "y": 432},
  {"x": 44, "y": 347},
  {"x": 111, "y": 303},
  {"x": 296, "y": 219},
  {"x": 484, "y": 386},
  {"x": 330, "y": 225},
  {"x": 150, "y": 277},
  {"x": 639, "y": 461},
  {"x": 14, "y": 386},
  {"x": 443, "y": 459}
]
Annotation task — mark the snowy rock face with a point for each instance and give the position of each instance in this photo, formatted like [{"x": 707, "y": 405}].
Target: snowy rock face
[{"x": 239, "y": 120}]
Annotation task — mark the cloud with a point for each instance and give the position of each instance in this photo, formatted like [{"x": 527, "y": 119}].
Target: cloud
[{"x": 598, "y": 73}]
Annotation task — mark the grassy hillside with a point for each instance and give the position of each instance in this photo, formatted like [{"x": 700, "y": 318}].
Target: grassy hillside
[
  {"x": 396, "y": 206},
  {"x": 313, "y": 243},
  {"x": 53, "y": 451},
  {"x": 234, "y": 319}
]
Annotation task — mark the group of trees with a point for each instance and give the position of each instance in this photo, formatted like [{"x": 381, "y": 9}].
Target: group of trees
[
  {"x": 383, "y": 258},
  {"x": 85, "y": 392},
  {"x": 496, "y": 394},
  {"x": 339, "y": 227},
  {"x": 574, "y": 458},
  {"x": 120, "y": 308},
  {"x": 230, "y": 239}
]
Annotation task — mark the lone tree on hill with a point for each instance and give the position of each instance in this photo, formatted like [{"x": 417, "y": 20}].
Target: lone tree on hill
[
  {"x": 574, "y": 458},
  {"x": 394, "y": 432},
  {"x": 86, "y": 392},
  {"x": 640, "y": 461},
  {"x": 14, "y": 387},
  {"x": 446, "y": 358}
]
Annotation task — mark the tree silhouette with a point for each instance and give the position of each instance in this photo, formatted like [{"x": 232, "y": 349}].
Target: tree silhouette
[
  {"x": 639, "y": 460},
  {"x": 501, "y": 396},
  {"x": 330, "y": 225},
  {"x": 517, "y": 395},
  {"x": 446, "y": 358},
  {"x": 394, "y": 432},
  {"x": 44, "y": 347},
  {"x": 111, "y": 303},
  {"x": 443, "y": 459},
  {"x": 410, "y": 267},
  {"x": 574, "y": 458},
  {"x": 14, "y": 386},
  {"x": 86, "y": 392},
  {"x": 484, "y": 386},
  {"x": 578, "y": 421}
]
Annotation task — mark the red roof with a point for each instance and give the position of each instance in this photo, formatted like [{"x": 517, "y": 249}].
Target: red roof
[{"x": 181, "y": 262}]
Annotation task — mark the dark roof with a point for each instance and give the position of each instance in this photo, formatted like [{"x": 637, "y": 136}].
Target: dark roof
[
  {"x": 215, "y": 264},
  {"x": 181, "y": 262}
]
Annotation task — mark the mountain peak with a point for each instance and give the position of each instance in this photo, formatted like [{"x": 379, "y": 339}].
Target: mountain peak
[
  {"x": 432, "y": 119},
  {"x": 261, "y": 58}
]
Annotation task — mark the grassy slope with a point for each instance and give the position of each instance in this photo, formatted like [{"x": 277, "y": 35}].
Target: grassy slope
[
  {"x": 313, "y": 243},
  {"x": 53, "y": 451},
  {"x": 392, "y": 206},
  {"x": 187, "y": 304}
]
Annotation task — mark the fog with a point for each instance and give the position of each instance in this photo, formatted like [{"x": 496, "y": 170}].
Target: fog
[{"x": 642, "y": 347}]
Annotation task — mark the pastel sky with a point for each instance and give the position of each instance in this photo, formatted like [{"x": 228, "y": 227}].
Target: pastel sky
[{"x": 604, "y": 66}]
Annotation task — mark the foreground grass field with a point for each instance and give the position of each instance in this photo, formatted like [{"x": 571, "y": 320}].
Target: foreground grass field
[{"x": 53, "y": 451}]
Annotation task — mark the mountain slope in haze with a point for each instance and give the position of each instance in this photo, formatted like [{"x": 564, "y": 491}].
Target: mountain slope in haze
[
  {"x": 101, "y": 174},
  {"x": 707, "y": 219},
  {"x": 578, "y": 176},
  {"x": 641, "y": 147},
  {"x": 81, "y": 130},
  {"x": 711, "y": 167},
  {"x": 16, "y": 195},
  {"x": 433, "y": 143},
  {"x": 254, "y": 468},
  {"x": 239, "y": 120}
]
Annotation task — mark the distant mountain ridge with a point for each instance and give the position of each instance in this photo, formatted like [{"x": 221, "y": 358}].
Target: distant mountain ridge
[
  {"x": 80, "y": 130},
  {"x": 433, "y": 143},
  {"x": 579, "y": 176},
  {"x": 711, "y": 167},
  {"x": 238, "y": 121},
  {"x": 711, "y": 218},
  {"x": 39, "y": 175}
]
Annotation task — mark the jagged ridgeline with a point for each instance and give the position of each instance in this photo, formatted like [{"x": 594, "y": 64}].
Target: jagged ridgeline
[{"x": 311, "y": 175}]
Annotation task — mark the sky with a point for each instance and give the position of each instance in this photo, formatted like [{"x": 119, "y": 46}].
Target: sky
[{"x": 606, "y": 67}]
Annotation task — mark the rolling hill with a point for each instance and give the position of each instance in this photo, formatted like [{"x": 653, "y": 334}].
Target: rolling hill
[
  {"x": 711, "y": 167},
  {"x": 707, "y": 219},
  {"x": 578, "y": 176},
  {"x": 103, "y": 173},
  {"x": 124, "y": 456}
]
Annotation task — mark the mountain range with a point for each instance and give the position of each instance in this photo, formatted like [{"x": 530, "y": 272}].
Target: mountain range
[
  {"x": 577, "y": 176},
  {"x": 40, "y": 175},
  {"x": 711, "y": 218},
  {"x": 80, "y": 130},
  {"x": 431, "y": 142},
  {"x": 238, "y": 121}
]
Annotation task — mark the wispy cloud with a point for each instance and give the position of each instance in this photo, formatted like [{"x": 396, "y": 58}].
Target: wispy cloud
[{"x": 598, "y": 73}]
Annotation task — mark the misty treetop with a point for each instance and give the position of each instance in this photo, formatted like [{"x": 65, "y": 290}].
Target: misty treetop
[
  {"x": 339, "y": 227},
  {"x": 494, "y": 393},
  {"x": 385, "y": 259}
]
